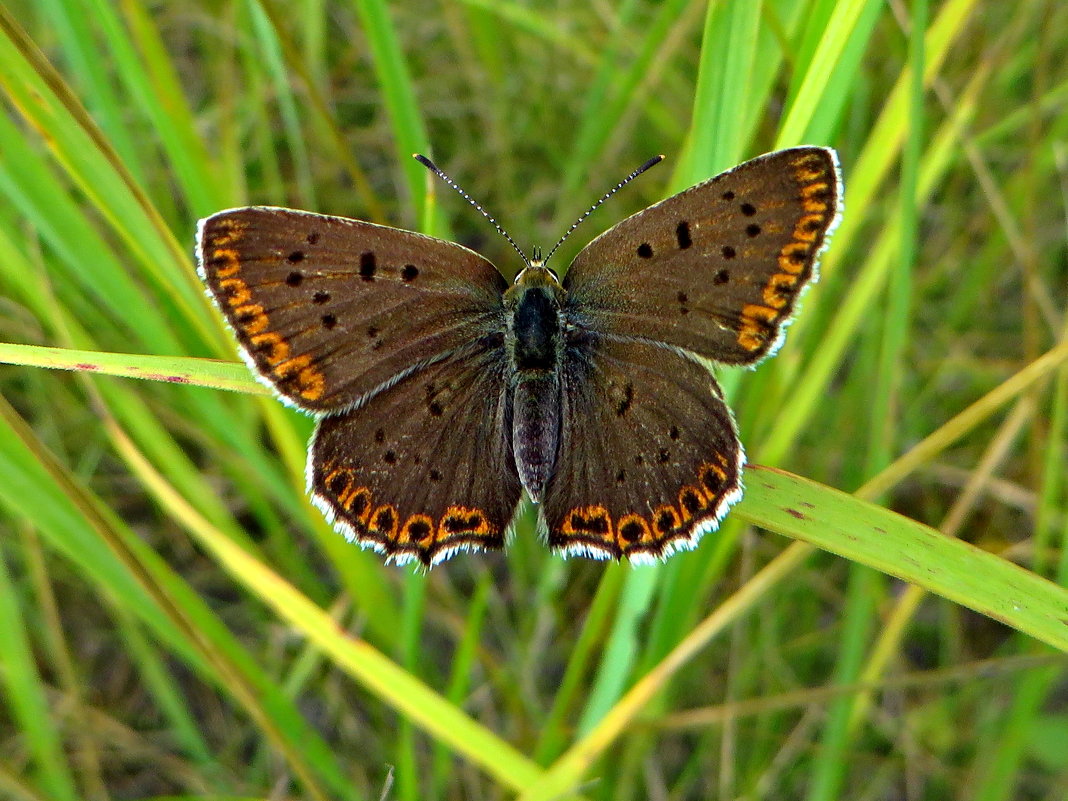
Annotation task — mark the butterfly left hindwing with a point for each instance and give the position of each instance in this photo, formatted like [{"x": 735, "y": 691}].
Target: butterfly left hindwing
[{"x": 424, "y": 468}]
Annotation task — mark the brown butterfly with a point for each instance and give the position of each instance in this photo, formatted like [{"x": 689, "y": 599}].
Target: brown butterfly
[{"x": 444, "y": 392}]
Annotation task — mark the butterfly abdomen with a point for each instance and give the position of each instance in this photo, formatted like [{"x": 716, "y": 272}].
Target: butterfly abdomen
[
  {"x": 535, "y": 346},
  {"x": 536, "y": 430}
]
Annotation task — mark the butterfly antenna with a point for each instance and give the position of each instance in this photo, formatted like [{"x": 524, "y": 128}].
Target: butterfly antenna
[
  {"x": 650, "y": 163},
  {"x": 434, "y": 169}
]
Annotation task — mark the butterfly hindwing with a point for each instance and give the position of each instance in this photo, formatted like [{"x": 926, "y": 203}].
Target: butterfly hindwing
[
  {"x": 328, "y": 310},
  {"x": 424, "y": 468},
  {"x": 649, "y": 457},
  {"x": 717, "y": 269}
]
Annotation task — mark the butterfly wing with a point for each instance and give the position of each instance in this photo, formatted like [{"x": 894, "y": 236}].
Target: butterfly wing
[
  {"x": 713, "y": 273},
  {"x": 330, "y": 310},
  {"x": 424, "y": 468},
  {"x": 720, "y": 271},
  {"x": 649, "y": 455}
]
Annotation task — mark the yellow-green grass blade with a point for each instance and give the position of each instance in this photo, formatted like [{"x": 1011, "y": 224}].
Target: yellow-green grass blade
[
  {"x": 134, "y": 578},
  {"x": 886, "y": 542},
  {"x": 380, "y": 675},
  {"x": 867, "y": 534},
  {"x": 143, "y": 425},
  {"x": 898, "y": 546},
  {"x": 883, "y": 144},
  {"x": 25, "y": 697},
  {"x": 810, "y": 386},
  {"x": 358, "y": 569},
  {"x": 722, "y": 98},
  {"x": 74, "y": 31},
  {"x": 999, "y": 767},
  {"x": 398, "y": 94},
  {"x": 268, "y": 49},
  {"x": 48, "y": 104},
  {"x": 564, "y": 775},
  {"x": 582, "y": 661},
  {"x": 888, "y": 382},
  {"x": 843, "y": 85},
  {"x": 621, "y": 650},
  {"x": 319, "y": 114},
  {"x": 86, "y": 272},
  {"x": 862, "y": 180},
  {"x": 148, "y": 74},
  {"x": 158, "y": 367},
  {"x": 462, "y": 673},
  {"x": 232, "y": 376},
  {"x": 825, "y": 60}
]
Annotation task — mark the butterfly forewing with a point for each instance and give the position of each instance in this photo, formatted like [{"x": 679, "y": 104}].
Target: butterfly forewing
[
  {"x": 649, "y": 457},
  {"x": 329, "y": 310},
  {"x": 718, "y": 268},
  {"x": 424, "y": 468}
]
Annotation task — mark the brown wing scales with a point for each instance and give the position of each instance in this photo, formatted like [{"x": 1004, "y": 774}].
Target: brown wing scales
[
  {"x": 424, "y": 468},
  {"x": 328, "y": 310},
  {"x": 720, "y": 272},
  {"x": 639, "y": 479}
]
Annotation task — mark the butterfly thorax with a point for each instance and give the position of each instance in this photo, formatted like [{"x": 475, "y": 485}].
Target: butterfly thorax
[{"x": 535, "y": 345}]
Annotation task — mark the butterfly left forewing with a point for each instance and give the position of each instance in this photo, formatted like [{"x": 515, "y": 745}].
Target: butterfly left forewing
[
  {"x": 329, "y": 310},
  {"x": 649, "y": 457},
  {"x": 717, "y": 269}
]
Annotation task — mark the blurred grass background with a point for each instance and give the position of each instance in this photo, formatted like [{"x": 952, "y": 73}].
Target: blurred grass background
[{"x": 178, "y": 621}]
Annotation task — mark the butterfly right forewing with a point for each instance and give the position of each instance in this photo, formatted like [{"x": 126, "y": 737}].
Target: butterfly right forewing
[
  {"x": 717, "y": 269},
  {"x": 650, "y": 458}
]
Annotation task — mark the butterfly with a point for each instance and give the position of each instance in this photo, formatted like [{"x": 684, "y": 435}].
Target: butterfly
[{"x": 444, "y": 392}]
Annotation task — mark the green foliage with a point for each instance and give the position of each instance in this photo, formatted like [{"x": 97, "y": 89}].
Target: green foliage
[{"x": 179, "y": 621}]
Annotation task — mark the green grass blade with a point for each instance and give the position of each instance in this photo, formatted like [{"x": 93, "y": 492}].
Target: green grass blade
[
  {"x": 723, "y": 97},
  {"x": 232, "y": 376},
  {"x": 25, "y": 698},
  {"x": 398, "y": 94},
  {"x": 911, "y": 551},
  {"x": 825, "y": 60}
]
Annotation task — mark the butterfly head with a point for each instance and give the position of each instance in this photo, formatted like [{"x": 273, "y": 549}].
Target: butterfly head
[{"x": 535, "y": 273}]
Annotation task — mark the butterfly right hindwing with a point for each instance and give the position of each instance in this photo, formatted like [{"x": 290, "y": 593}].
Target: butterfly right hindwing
[{"x": 649, "y": 457}]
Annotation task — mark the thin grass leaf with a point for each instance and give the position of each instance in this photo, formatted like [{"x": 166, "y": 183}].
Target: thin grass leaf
[
  {"x": 378, "y": 673},
  {"x": 231, "y": 376},
  {"x": 29, "y": 707}
]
